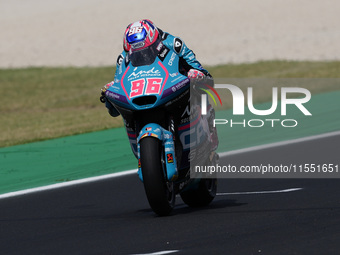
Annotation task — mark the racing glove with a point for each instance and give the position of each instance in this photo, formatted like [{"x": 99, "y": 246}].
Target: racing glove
[
  {"x": 111, "y": 109},
  {"x": 196, "y": 74},
  {"x": 198, "y": 80},
  {"x": 103, "y": 90}
]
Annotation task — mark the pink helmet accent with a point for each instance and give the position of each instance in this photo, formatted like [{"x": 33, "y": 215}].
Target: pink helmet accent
[{"x": 139, "y": 35}]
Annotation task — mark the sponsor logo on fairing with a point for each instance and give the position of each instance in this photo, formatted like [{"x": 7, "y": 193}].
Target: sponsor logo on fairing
[
  {"x": 173, "y": 74},
  {"x": 170, "y": 158},
  {"x": 142, "y": 73}
]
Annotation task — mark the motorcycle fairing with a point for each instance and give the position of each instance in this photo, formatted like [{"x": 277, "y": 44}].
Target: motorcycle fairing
[{"x": 148, "y": 86}]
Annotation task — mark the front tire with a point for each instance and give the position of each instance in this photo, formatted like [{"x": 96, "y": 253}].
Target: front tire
[{"x": 159, "y": 191}]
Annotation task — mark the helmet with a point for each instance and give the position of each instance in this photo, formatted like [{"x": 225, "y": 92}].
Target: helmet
[
  {"x": 140, "y": 34},
  {"x": 142, "y": 41}
]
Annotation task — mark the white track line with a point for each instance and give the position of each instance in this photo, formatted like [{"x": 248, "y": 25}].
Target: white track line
[
  {"x": 159, "y": 252},
  {"x": 67, "y": 184},
  {"x": 259, "y": 192},
  {"x": 114, "y": 175}
]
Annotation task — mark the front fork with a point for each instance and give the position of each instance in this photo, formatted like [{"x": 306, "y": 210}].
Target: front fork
[{"x": 168, "y": 145}]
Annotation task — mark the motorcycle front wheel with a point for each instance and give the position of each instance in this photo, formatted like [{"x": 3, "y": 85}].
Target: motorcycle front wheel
[{"x": 160, "y": 192}]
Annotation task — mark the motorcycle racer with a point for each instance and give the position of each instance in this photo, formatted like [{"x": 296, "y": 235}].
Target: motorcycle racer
[{"x": 142, "y": 42}]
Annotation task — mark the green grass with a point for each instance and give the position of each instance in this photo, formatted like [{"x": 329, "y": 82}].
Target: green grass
[{"x": 44, "y": 103}]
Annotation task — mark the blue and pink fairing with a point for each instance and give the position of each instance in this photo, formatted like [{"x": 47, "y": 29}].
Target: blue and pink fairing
[{"x": 148, "y": 86}]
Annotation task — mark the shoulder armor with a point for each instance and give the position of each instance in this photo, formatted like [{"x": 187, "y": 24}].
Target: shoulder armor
[
  {"x": 178, "y": 45},
  {"x": 120, "y": 59}
]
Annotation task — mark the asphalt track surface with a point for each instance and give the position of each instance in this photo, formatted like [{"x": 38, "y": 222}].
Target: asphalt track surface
[{"x": 113, "y": 217}]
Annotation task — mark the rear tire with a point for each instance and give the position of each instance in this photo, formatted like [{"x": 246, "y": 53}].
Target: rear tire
[
  {"x": 203, "y": 195},
  {"x": 160, "y": 193}
]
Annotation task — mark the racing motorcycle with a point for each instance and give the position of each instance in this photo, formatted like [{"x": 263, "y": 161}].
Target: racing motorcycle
[{"x": 167, "y": 132}]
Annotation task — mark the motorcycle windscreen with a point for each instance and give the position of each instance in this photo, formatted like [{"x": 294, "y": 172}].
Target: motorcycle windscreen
[{"x": 145, "y": 56}]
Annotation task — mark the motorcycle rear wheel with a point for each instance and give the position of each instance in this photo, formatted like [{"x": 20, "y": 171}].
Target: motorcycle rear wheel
[
  {"x": 160, "y": 192},
  {"x": 203, "y": 195}
]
